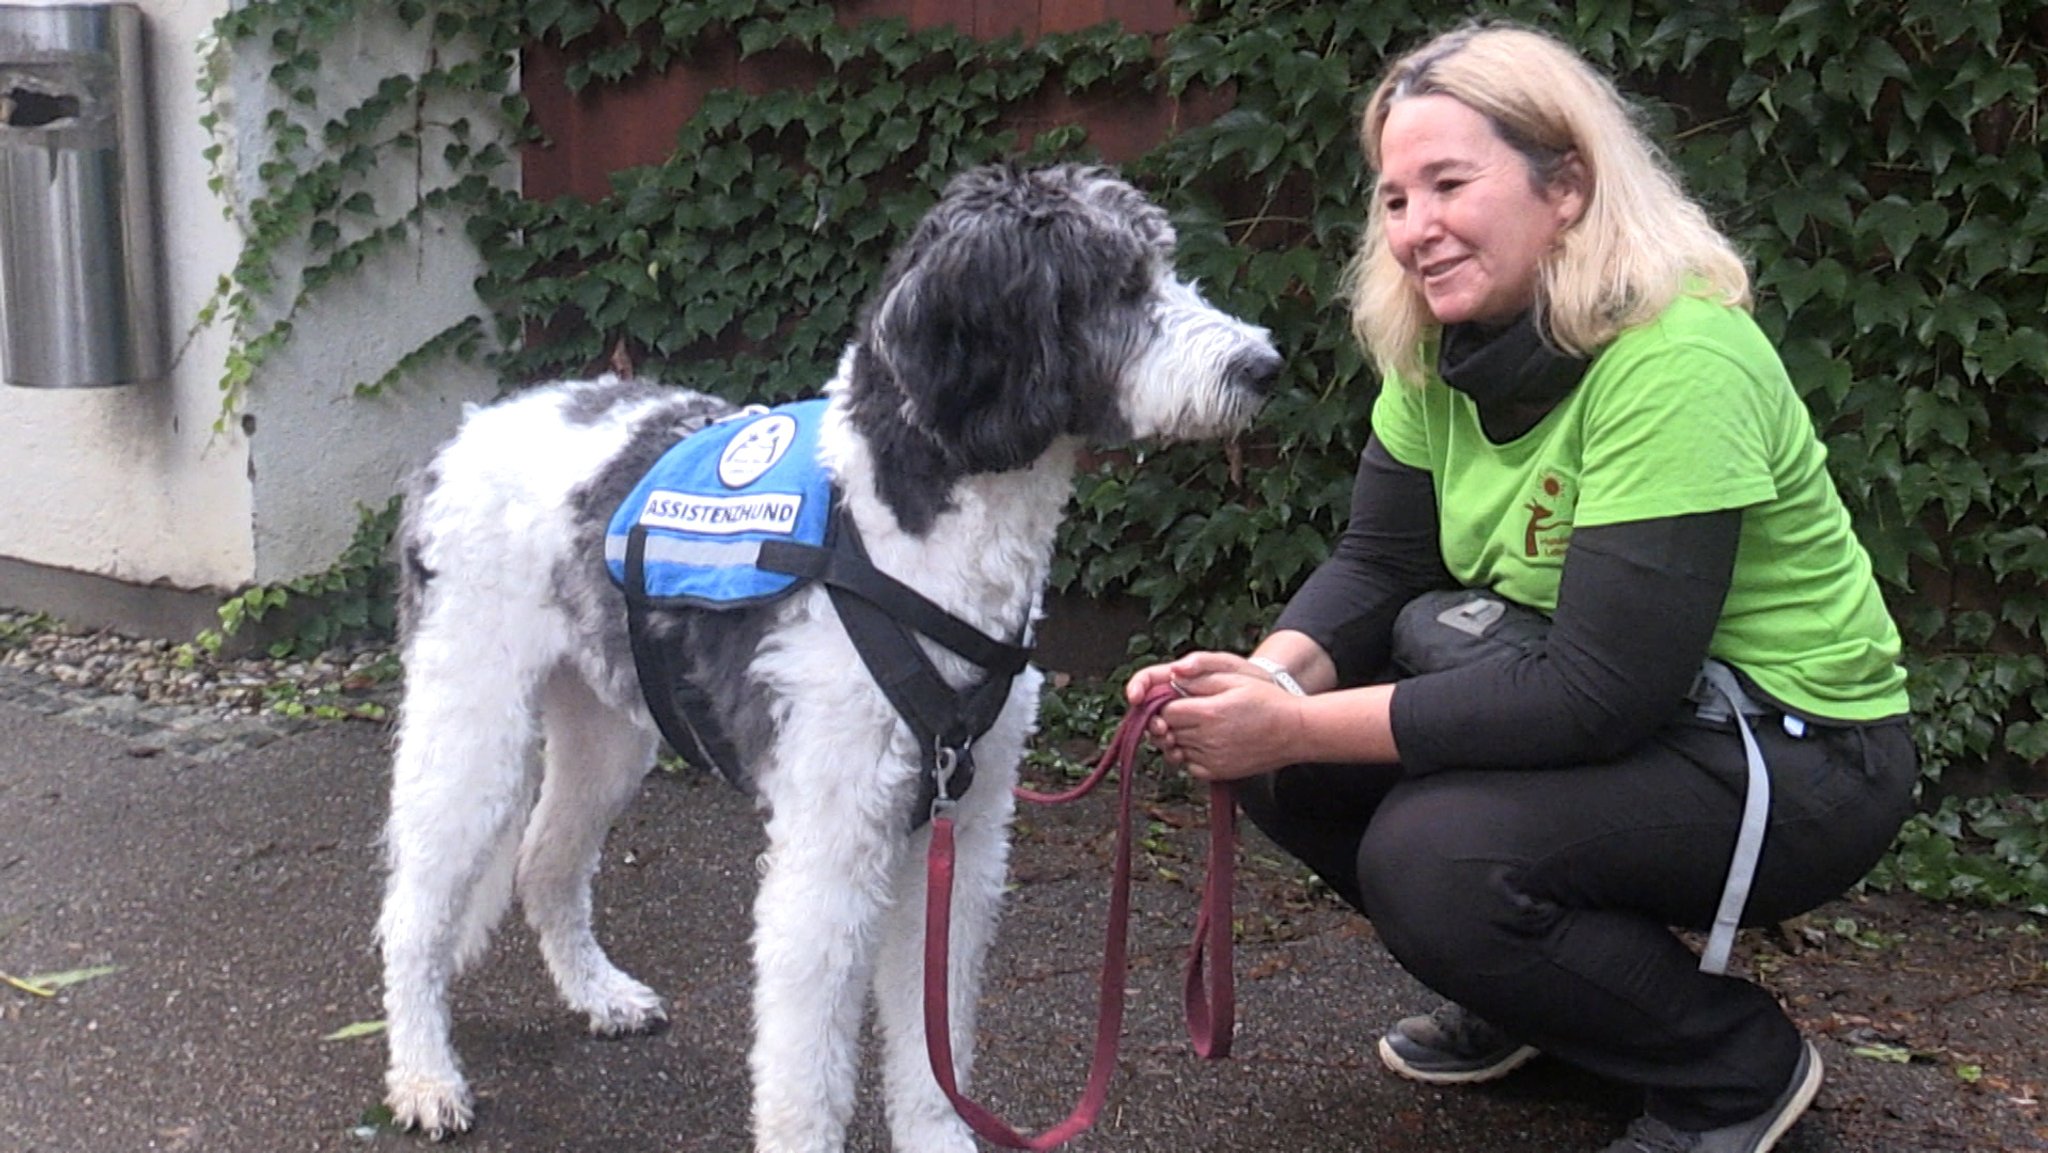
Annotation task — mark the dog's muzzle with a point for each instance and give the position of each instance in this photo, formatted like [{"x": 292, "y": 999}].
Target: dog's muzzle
[{"x": 1255, "y": 370}]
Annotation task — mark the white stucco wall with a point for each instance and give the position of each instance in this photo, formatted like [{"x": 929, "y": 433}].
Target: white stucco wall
[
  {"x": 136, "y": 482},
  {"x": 317, "y": 452}
]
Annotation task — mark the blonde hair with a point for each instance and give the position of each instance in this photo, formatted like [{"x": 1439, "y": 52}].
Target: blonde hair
[{"x": 1640, "y": 242}]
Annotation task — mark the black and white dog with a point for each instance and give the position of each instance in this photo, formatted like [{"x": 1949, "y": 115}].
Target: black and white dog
[{"x": 1029, "y": 313}]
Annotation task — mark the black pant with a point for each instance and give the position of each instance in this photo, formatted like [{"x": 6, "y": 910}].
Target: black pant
[{"x": 1541, "y": 899}]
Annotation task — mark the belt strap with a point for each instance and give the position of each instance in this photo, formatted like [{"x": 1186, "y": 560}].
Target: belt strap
[{"x": 1756, "y": 811}]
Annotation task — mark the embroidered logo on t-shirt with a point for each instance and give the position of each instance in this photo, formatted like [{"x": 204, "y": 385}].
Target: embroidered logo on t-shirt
[{"x": 1549, "y": 528}]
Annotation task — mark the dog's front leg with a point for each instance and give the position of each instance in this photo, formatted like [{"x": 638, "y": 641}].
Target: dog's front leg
[
  {"x": 822, "y": 893},
  {"x": 921, "y": 1119}
]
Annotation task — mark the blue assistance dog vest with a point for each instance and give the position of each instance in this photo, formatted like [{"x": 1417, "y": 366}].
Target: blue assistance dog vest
[
  {"x": 710, "y": 502},
  {"x": 742, "y": 513}
]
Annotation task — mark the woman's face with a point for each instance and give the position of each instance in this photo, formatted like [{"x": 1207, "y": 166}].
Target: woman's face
[{"x": 1462, "y": 214}]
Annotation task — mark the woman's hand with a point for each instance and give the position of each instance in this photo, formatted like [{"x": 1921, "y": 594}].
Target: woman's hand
[
  {"x": 1179, "y": 674},
  {"x": 1232, "y": 722}
]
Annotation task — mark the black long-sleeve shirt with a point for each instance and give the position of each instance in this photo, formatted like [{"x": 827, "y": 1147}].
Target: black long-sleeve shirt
[{"x": 1637, "y": 606}]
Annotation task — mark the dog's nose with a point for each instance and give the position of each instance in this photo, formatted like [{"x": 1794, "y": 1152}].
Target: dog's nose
[{"x": 1255, "y": 370}]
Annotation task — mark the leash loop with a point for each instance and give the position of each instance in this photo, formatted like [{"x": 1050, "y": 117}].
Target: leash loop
[{"x": 1210, "y": 1001}]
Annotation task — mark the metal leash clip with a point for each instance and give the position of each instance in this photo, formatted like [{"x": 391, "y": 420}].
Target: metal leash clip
[{"x": 945, "y": 761}]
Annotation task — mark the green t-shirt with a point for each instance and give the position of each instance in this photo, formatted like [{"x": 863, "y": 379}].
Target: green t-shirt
[{"x": 1691, "y": 413}]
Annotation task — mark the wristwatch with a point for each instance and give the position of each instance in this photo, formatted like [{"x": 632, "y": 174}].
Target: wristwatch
[{"x": 1280, "y": 675}]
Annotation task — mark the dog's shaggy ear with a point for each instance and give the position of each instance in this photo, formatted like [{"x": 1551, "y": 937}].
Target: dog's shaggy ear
[{"x": 1002, "y": 319}]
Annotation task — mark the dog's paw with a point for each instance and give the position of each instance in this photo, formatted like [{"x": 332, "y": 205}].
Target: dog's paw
[
  {"x": 632, "y": 1009},
  {"x": 939, "y": 1137},
  {"x": 435, "y": 1108},
  {"x": 921, "y": 1120}
]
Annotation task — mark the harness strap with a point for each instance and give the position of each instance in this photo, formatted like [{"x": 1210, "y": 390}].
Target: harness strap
[
  {"x": 846, "y": 566},
  {"x": 681, "y": 710},
  {"x": 1756, "y": 811},
  {"x": 879, "y": 614},
  {"x": 945, "y": 722}
]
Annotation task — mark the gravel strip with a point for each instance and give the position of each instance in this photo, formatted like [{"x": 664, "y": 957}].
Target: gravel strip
[{"x": 164, "y": 697}]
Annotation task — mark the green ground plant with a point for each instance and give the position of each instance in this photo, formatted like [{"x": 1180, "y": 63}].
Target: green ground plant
[{"x": 352, "y": 599}]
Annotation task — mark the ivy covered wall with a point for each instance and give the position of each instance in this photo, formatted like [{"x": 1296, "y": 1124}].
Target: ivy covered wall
[{"x": 600, "y": 104}]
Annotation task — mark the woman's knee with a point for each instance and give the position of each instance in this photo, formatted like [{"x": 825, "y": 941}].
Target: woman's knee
[
  {"x": 1444, "y": 896},
  {"x": 1308, "y": 811}
]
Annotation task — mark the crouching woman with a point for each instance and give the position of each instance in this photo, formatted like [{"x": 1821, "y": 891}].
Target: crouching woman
[{"x": 1678, "y": 701}]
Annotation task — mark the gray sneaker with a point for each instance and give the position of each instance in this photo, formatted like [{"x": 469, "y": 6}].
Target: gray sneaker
[
  {"x": 1451, "y": 1046},
  {"x": 1756, "y": 1135}
]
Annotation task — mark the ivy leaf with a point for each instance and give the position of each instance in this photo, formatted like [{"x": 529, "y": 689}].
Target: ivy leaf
[
  {"x": 2028, "y": 740},
  {"x": 1928, "y": 414},
  {"x": 1814, "y": 367},
  {"x": 757, "y": 36},
  {"x": 1962, "y": 314},
  {"x": 2015, "y": 551},
  {"x": 1877, "y": 62},
  {"x": 1827, "y": 279},
  {"x": 1248, "y": 133},
  {"x": 1901, "y": 224},
  {"x": 2001, "y": 352},
  {"x": 1891, "y": 303}
]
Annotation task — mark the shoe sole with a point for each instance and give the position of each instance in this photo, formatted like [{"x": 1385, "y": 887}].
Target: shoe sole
[
  {"x": 1802, "y": 1096},
  {"x": 1493, "y": 1072}
]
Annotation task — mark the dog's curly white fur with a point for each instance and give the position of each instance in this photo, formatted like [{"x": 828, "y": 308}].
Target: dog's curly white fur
[{"x": 1029, "y": 313}]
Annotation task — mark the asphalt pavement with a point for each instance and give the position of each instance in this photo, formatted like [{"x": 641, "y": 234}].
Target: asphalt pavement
[{"x": 231, "y": 897}]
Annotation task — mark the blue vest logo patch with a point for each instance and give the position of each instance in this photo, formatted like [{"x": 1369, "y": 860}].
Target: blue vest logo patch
[
  {"x": 712, "y": 500},
  {"x": 755, "y": 449}
]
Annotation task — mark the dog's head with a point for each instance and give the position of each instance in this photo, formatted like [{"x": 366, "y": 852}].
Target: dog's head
[{"x": 1033, "y": 305}]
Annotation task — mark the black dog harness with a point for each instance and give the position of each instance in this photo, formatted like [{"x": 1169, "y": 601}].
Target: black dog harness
[{"x": 883, "y": 616}]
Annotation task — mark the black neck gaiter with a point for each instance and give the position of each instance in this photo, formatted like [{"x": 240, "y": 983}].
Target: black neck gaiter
[{"x": 1511, "y": 374}]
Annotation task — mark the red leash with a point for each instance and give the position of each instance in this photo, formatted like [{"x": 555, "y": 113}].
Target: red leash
[{"x": 1210, "y": 1002}]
